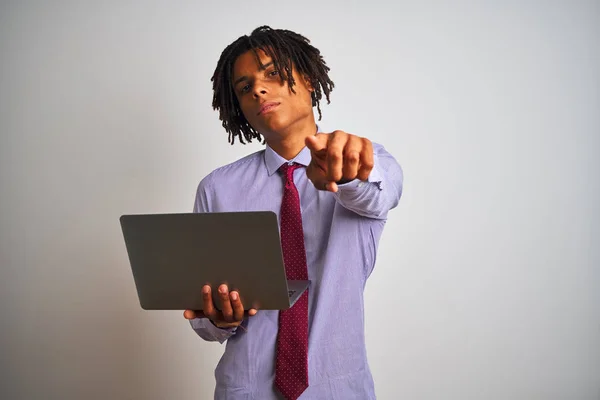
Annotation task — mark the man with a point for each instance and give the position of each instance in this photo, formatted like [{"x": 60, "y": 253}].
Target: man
[{"x": 331, "y": 192}]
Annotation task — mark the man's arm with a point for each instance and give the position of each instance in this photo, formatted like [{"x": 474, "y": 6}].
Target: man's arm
[
  {"x": 381, "y": 191},
  {"x": 363, "y": 176},
  {"x": 209, "y": 332}
]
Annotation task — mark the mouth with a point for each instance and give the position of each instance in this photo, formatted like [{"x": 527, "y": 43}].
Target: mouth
[{"x": 267, "y": 107}]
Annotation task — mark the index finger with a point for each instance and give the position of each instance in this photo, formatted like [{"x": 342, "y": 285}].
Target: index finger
[{"x": 317, "y": 143}]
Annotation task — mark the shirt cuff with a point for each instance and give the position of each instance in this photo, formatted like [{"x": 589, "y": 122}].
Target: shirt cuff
[
  {"x": 375, "y": 178},
  {"x": 220, "y": 334}
]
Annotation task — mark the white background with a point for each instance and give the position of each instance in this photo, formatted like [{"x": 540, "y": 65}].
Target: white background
[{"x": 487, "y": 284}]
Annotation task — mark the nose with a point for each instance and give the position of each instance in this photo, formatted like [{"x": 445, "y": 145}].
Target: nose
[{"x": 260, "y": 89}]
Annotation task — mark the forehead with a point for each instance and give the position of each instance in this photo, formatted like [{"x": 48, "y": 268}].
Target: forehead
[{"x": 247, "y": 63}]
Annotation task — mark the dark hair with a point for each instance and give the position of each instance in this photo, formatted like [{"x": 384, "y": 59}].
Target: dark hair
[{"x": 286, "y": 48}]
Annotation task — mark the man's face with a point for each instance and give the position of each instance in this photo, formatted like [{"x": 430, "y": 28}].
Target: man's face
[{"x": 267, "y": 103}]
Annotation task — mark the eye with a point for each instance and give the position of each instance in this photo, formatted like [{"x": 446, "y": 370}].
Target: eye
[
  {"x": 273, "y": 73},
  {"x": 245, "y": 89}
]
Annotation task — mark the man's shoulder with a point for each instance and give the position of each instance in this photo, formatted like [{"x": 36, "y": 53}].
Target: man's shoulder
[{"x": 232, "y": 171}]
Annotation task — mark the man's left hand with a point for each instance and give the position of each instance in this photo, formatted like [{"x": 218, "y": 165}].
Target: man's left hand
[{"x": 338, "y": 158}]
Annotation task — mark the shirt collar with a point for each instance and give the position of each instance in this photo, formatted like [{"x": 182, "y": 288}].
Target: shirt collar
[{"x": 273, "y": 160}]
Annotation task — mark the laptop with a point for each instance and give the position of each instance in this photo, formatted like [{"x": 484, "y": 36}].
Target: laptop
[{"x": 172, "y": 256}]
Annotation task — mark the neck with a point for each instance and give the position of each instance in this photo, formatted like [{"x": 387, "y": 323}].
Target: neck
[{"x": 289, "y": 143}]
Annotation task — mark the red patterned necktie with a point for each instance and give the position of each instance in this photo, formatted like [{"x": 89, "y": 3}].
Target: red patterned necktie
[{"x": 291, "y": 365}]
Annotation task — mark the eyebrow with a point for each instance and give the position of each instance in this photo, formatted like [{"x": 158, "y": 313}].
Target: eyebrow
[{"x": 245, "y": 78}]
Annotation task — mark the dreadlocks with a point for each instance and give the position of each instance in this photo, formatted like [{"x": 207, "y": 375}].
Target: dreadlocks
[{"x": 286, "y": 49}]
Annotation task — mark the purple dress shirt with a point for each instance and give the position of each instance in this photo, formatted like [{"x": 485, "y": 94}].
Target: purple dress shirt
[{"x": 341, "y": 234}]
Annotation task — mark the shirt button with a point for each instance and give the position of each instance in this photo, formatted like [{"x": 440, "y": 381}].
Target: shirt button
[{"x": 360, "y": 184}]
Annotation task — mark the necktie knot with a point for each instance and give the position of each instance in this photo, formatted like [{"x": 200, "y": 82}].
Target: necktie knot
[{"x": 287, "y": 170}]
